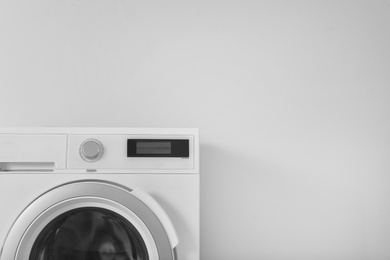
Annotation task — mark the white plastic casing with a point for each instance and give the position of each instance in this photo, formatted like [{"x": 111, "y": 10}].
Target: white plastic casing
[{"x": 35, "y": 160}]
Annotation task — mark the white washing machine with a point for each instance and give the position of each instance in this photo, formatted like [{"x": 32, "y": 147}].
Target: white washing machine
[{"x": 99, "y": 193}]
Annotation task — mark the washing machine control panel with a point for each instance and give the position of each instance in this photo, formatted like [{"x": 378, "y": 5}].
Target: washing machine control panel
[
  {"x": 119, "y": 151},
  {"x": 136, "y": 152}
]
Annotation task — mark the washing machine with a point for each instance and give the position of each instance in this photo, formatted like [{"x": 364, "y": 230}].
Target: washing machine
[{"x": 99, "y": 193}]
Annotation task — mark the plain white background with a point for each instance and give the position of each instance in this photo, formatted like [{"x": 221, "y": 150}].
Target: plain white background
[{"x": 292, "y": 99}]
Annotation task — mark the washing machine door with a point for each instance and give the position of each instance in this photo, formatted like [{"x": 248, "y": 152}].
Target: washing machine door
[{"x": 92, "y": 220}]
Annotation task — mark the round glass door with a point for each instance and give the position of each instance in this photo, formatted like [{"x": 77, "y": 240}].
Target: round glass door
[{"x": 89, "y": 234}]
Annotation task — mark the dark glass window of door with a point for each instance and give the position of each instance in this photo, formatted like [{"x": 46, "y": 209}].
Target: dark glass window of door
[{"x": 89, "y": 234}]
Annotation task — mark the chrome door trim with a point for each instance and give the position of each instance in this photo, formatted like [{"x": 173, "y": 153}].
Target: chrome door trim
[
  {"x": 95, "y": 193},
  {"x": 40, "y": 222}
]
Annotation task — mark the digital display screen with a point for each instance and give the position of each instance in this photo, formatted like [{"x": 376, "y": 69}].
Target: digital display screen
[
  {"x": 154, "y": 148},
  {"x": 158, "y": 148}
]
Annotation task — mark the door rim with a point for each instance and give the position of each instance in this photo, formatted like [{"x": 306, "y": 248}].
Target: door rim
[{"x": 86, "y": 193}]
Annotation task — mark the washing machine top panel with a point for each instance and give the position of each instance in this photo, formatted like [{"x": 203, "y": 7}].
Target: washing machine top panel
[{"x": 127, "y": 150}]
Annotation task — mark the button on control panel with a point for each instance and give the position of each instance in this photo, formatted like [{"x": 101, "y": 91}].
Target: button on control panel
[{"x": 91, "y": 150}]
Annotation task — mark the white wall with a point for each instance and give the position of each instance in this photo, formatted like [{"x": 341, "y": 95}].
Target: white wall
[{"x": 292, "y": 99}]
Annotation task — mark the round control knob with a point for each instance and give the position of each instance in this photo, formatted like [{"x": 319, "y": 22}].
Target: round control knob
[{"x": 91, "y": 150}]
